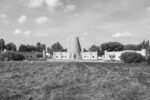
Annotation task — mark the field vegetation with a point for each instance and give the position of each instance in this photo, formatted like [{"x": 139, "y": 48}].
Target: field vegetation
[{"x": 74, "y": 81}]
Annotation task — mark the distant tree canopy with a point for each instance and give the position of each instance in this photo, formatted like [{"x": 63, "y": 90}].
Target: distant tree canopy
[
  {"x": 131, "y": 47},
  {"x": 112, "y": 46},
  {"x": 95, "y": 48},
  {"x": 85, "y": 50},
  {"x": 56, "y": 47},
  {"x": 2, "y": 44},
  {"x": 11, "y": 46},
  {"x": 40, "y": 47},
  {"x": 29, "y": 48},
  {"x": 144, "y": 45}
]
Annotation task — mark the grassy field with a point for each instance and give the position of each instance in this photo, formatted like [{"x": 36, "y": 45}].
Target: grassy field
[{"x": 74, "y": 81}]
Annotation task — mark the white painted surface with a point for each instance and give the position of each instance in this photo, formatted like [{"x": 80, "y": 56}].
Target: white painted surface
[{"x": 118, "y": 54}]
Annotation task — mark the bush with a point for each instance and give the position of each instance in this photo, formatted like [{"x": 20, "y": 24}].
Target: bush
[
  {"x": 132, "y": 57},
  {"x": 39, "y": 55},
  {"x": 12, "y": 56},
  {"x": 148, "y": 59}
]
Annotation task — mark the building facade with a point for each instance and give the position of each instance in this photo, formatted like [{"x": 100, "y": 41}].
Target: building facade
[
  {"x": 116, "y": 54},
  {"x": 75, "y": 52},
  {"x": 68, "y": 56}
]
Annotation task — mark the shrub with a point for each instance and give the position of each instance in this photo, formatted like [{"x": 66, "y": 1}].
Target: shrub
[
  {"x": 132, "y": 57},
  {"x": 39, "y": 55},
  {"x": 12, "y": 56},
  {"x": 148, "y": 59}
]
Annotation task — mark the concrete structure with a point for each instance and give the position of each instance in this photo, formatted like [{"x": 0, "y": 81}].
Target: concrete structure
[
  {"x": 74, "y": 52},
  {"x": 68, "y": 56},
  {"x": 116, "y": 55},
  {"x": 74, "y": 48}
]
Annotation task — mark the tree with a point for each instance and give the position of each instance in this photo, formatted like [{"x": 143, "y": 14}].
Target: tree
[
  {"x": 23, "y": 48},
  {"x": 144, "y": 45},
  {"x": 48, "y": 49},
  {"x": 11, "y": 46},
  {"x": 56, "y": 47},
  {"x": 27, "y": 48},
  {"x": 112, "y": 46},
  {"x": 132, "y": 57},
  {"x": 85, "y": 50},
  {"x": 38, "y": 47},
  {"x": 43, "y": 46},
  {"x": 11, "y": 55},
  {"x": 130, "y": 47},
  {"x": 2, "y": 44},
  {"x": 97, "y": 49}
]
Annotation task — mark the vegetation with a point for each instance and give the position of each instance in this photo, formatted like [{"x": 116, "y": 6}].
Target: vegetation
[
  {"x": 148, "y": 59},
  {"x": 11, "y": 46},
  {"x": 97, "y": 49},
  {"x": 132, "y": 57},
  {"x": 2, "y": 44},
  {"x": 131, "y": 47},
  {"x": 74, "y": 81},
  {"x": 112, "y": 46},
  {"x": 56, "y": 47},
  {"x": 12, "y": 56}
]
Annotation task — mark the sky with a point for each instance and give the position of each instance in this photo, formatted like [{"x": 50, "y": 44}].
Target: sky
[{"x": 94, "y": 21}]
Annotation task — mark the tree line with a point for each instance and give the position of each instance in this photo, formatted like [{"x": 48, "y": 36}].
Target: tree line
[{"x": 56, "y": 47}]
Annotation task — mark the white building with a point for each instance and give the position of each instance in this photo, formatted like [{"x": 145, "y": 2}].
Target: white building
[
  {"x": 116, "y": 54},
  {"x": 68, "y": 56},
  {"x": 75, "y": 52}
]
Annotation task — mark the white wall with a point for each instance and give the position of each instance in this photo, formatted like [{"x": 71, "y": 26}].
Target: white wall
[
  {"x": 89, "y": 55},
  {"x": 61, "y": 55},
  {"x": 67, "y": 55},
  {"x": 118, "y": 54}
]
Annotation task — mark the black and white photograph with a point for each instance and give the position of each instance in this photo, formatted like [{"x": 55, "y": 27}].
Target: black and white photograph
[{"x": 74, "y": 49}]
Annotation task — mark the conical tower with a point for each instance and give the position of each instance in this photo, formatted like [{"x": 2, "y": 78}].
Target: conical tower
[{"x": 75, "y": 48}]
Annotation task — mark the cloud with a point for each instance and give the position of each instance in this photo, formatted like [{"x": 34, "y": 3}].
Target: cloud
[
  {"x": 3, "y": 16},
  {"x": 22, "y": 19},
  {"x": 41, "y": 20},
  {"x": 52, "y": 3},
  {"x": 17, "y": 31},
  {"x": 49, "y": 3},
  {"x": 35, "y": 3},
  {"x": 27, "y": 34},
  {"x": 70, "y": 8},
  {"x": 41, "y": 34},
  {"x": 122, "y": 35}
]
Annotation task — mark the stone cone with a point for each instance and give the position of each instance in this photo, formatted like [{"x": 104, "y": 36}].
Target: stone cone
[{"x": 75, "y": 48}]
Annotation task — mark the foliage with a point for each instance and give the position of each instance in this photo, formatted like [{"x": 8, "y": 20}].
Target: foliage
[
  {"x": 97, "y": 49},
  {"x": 144, "y": 45},
  {"x": 56, "y": 47},
  {"x": 26, "y": 48},
  {"x": 40, "y": 47},
  {"x": 148, "y": 59},
  {"x": 131, "y": 57},
  {"x": 2, "y": 44},
  {"x": 29, "y": 48},
  {"x": 112, "y": 46},
  {"x": 11, "y": 46},
  {"x": 131, "y": 47},
  {"x": 12, "y": 56},
  {"x": 39, "y": 55}
]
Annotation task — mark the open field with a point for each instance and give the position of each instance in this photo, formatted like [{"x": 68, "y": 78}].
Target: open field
[{"x": 74, "y": 81}]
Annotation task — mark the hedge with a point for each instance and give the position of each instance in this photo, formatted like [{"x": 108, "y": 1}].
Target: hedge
[{"x": 132, "y": 57}]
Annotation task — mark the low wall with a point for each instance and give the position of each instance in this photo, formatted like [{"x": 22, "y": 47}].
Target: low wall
[{"x": 107, "y": 55}]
